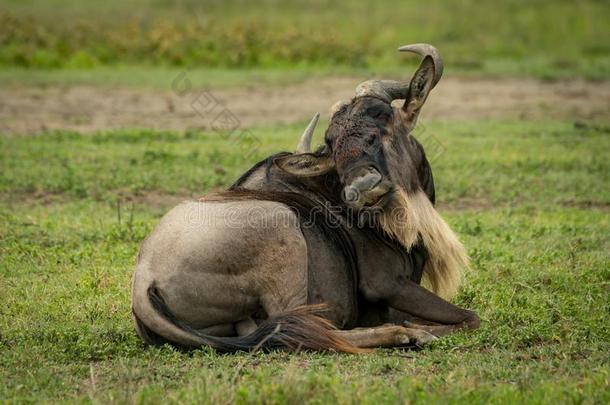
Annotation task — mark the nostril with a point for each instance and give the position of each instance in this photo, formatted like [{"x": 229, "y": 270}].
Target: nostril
[
  {"x": 350, "y": 194},
  {"x": 367, "y": 181}
]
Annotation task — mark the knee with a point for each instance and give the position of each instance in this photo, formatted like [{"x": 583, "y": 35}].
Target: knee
[{"x": 472, "y": 320}]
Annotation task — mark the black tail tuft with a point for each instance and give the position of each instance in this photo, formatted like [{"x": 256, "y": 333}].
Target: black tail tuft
[{"x": 299, "y": 329}]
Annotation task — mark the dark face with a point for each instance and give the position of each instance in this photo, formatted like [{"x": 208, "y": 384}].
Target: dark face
[
  {"x": 368, "y": 144},
  {"x": 355, "y": 139}
]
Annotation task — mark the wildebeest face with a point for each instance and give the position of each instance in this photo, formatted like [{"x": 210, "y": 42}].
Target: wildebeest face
[
  {"x": 355, "y": 139},
  {"x": 367, "y": 141}
]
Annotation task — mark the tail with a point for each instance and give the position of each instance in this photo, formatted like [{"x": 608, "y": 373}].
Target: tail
[{"x": 298, "y": 329}]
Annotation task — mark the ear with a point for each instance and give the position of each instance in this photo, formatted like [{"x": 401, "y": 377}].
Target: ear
[
  {"x": 305, "y": 164},
  {"x": 420, "y": 86}
]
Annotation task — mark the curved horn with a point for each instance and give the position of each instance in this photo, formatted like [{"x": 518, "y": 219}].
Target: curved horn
[
  {"x": 386, "y": 90},
  {"x": 305, "y": 141},
  {"x": 424, "y": 50},
  {"x": 389, "y": 90}
]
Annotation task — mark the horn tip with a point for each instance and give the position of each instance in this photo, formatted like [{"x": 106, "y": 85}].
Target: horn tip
[
  {"x": 410, "y": 47},
  {"x": 418, "y": 48},
  {"x": 314, "y": 120}
]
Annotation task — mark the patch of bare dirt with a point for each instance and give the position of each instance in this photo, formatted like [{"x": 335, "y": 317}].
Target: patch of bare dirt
[
  {"x": 155, "y": 200},
  {"x": 25, "y": 110},
  {"x": 587, "y": 205}
]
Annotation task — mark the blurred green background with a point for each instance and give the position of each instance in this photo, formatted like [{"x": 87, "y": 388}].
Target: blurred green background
[
  {"x": 95, "y": 147},
  {"x": 540, "y": 38}
]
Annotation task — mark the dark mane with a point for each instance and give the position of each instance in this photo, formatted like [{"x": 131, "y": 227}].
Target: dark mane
[{"x": 267, "y": 162}]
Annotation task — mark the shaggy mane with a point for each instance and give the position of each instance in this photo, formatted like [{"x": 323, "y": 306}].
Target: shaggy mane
[{"x": 412, "y": 217}]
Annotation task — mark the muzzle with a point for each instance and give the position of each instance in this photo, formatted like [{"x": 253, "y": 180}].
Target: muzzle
[{"x": 365, "y": 187}]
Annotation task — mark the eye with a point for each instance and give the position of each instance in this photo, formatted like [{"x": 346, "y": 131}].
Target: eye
[
  {"x": 370, "y": 140},
  {"x": 382, "y": 116},
  {"x": 380, "y": 113}
]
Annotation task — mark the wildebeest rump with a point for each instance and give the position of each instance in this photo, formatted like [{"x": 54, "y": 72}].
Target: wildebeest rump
[{"x": 320, "y": 250}]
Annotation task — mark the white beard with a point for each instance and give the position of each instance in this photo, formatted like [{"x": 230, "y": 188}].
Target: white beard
[{"x": 414, "y": 216}]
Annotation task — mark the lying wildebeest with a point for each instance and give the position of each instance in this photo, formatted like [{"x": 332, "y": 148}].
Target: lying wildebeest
[{"x": 351, "y": 226}]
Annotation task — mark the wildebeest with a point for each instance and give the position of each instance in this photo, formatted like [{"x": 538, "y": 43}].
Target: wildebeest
[{"x": 320, "y": 250}]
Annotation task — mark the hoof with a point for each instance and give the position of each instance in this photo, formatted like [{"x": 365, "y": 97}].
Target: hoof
[
  {"x": 415, "y": 337},
  {"x": 473, "y": 322}
]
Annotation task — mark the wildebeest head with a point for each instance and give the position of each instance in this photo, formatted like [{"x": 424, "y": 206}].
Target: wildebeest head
[
  {"x": 381, "y": 166},
  {"x": 367, "y": 141}
]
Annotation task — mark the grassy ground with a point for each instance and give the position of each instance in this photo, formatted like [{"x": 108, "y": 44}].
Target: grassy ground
[
  {"x": 530, "y": 201},
  {"x": 159, "y": 77},
  {"x": 546, "y": 38}
]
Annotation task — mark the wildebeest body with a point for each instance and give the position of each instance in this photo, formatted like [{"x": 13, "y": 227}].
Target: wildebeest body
[{"x": 351, "y": 226}]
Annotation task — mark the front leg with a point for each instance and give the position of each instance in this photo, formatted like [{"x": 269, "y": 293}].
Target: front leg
[
  {"x": 422, "y": 303},
  {"x": 397, "y": 317},
  {"x": 413, "y": 299},
  {"x": 386, "y": 336}
]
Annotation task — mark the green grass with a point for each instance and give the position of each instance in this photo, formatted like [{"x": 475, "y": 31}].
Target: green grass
[
  {"x": 161, "y": 78},
  {"x": 530, "y": 201},
  {"x": 544, "y": 38},
  {"x": 500, "y": 162}
]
